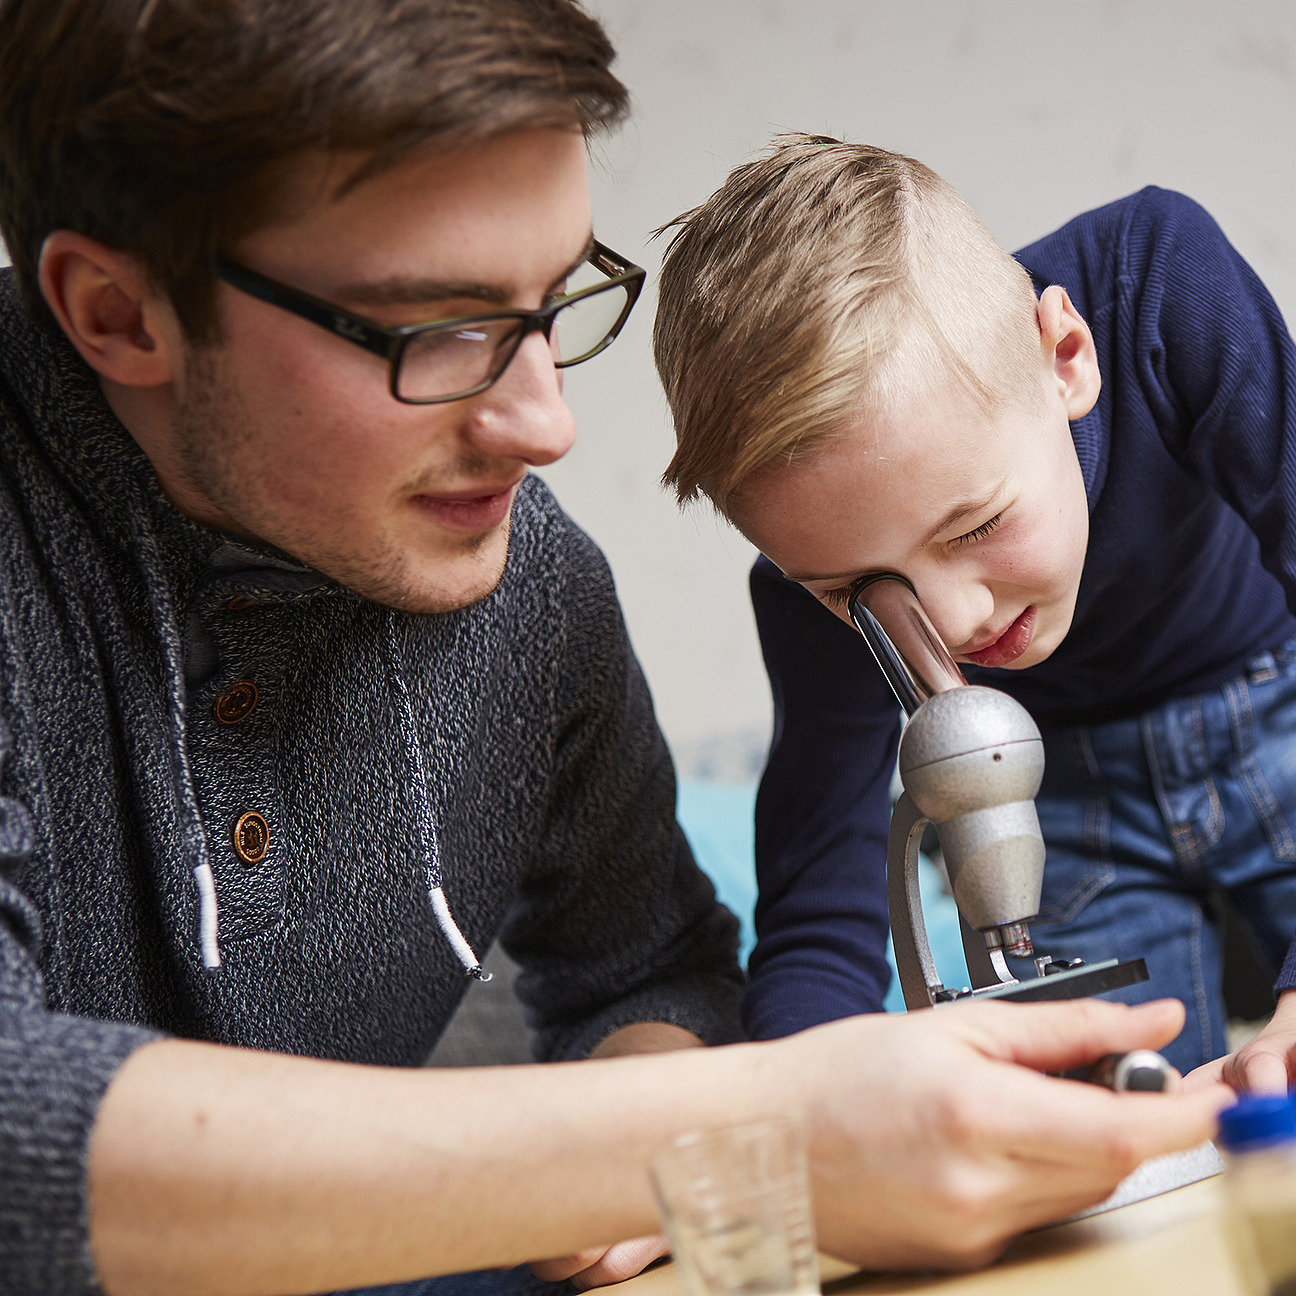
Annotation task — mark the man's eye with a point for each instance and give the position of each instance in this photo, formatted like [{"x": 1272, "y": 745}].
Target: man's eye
[
  {"x": 981, "y": 532},
  {"x": 838, "y": 597}
]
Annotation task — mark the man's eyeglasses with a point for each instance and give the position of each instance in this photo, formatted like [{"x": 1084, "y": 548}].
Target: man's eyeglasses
[{"x": 450, "y": 359}]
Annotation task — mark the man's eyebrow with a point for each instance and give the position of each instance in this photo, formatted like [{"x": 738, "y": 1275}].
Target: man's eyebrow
[
  {"x": 959, "y": 513},
  {"x": 418, "y": 292}
]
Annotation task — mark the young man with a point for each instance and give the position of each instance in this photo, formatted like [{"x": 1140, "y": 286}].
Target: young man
[
  {"x": 1085, "y": 469},
  {"x": 309, "y": 690}
]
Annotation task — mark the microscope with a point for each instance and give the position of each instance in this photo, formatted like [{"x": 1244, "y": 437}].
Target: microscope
[{"x": 971, "y": 761}]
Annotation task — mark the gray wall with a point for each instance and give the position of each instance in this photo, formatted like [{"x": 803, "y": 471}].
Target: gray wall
[{"x": 1035, "y": 111}]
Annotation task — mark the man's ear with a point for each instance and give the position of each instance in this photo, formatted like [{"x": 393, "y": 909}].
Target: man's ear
[
  {"x": 102, "y": 299},
  {"x": 1068, "y": 349}
]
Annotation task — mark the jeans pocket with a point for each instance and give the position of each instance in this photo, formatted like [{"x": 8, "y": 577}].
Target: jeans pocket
[
  {"x": 1266, "y": 761},
  {"x": 1070, "y": 883},
  {"x": 1268, "y": 809}
]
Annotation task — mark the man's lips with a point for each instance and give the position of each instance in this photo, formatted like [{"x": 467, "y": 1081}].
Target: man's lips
[
  {"x": 1008, "y": 646},
  {"x": 471, "y": 511}
]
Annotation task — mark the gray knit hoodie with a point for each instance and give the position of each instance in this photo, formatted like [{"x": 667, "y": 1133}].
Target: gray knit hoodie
[{"x": 425, "y": 782}]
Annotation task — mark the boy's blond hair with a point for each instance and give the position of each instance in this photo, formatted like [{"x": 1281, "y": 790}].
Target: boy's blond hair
[{"x": 818, "y": 277}]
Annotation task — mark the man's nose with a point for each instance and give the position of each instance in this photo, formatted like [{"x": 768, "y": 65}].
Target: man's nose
[{"x": 523, "y": 414}]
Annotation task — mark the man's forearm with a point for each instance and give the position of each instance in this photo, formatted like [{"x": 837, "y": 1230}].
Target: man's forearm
[
  {"x": 219, "y": 1169},
  {"x": 933, "y": 1138}
]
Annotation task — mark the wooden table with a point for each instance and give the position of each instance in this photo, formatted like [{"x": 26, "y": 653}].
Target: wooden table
[{"x": 1173, "y": 1244}]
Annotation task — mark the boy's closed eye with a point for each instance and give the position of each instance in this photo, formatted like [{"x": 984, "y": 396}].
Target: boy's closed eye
[
  {"x": 978, "y": 533},
  {"x": 840, "y": 595}
]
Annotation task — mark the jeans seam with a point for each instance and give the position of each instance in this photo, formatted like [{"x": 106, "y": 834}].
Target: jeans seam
[
  {"x": 1263, "y": 801},
  {"x": 1267, "y": 808},
  {"x": 1214, "y": 828},
  {"x": 1097, "y": 835},
  {"x": 1188, "y": 844},
  {"x": 1097, "y": 827},
  {"x": 1199, "y": 985},
  {"x": 1069, "y": 907},
  {"x": 1241, "y": 717}
]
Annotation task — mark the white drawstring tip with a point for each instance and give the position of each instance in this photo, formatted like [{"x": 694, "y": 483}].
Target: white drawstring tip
[
  {"x": 207, "y": 916},
  {"x": 450, "y": 930}
]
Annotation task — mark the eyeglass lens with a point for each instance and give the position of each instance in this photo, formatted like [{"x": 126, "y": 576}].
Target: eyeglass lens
[{"x": 445, "y": 362}]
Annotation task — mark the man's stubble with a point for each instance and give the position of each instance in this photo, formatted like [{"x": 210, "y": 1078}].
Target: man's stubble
[{"x": 216, "y": 442}]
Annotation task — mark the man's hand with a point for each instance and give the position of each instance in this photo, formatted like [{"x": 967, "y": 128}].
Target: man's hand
[
  {"x": 1266, "y": 1065},
  {"x": 952, "y": 1141},
  {"x": 598, "y": 1266}
]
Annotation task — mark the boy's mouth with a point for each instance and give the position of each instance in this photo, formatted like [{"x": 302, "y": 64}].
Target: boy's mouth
[{"x": 1009, "y": 645}]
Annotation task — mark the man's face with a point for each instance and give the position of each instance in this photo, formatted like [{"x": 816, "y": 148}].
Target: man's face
[
  {"x": 984, "y": 513},
  {"x": 286, "y": 434}
]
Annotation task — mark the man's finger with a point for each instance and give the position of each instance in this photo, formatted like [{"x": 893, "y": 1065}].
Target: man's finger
[
  {"x": 1070, "y": 1124},
  {"x": 1059, "y": 1036}
]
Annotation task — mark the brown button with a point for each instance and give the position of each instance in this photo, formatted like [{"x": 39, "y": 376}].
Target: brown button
[
  {"x": 237, "y": 704},
  {"x": 251, "y": 837},
  {"x": 239, "y": 602}
]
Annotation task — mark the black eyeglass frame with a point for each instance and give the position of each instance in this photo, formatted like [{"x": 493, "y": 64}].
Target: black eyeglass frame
[{"x": 390, "y": 342}]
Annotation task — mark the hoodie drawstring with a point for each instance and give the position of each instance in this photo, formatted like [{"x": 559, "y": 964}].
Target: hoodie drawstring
[
  {"x": 191, "y": 829},
  {"x": 429, "y": 847}
]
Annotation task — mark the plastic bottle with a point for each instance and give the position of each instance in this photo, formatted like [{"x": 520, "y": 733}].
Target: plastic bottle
[{"x": 1258, "y": 1138}]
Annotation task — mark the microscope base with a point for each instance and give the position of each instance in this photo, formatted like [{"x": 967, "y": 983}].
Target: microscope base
[{"x": 1075, "y": 983}]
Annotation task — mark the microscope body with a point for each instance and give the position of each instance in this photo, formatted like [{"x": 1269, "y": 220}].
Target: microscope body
[{"x": 971, "y": 763}]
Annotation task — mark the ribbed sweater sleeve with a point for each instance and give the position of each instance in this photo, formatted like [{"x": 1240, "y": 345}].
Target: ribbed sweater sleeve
[
  {"x": 1218, "y": 366},
  {"x": 615, "y": 924},
  {"x": 821, "y": 818},
  {"x": 54, "y": 1070}
]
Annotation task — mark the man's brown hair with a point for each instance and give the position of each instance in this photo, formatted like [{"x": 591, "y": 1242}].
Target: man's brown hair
[
  {"x": 152, "y": 125},
  {"x": 818, "y": 277}
]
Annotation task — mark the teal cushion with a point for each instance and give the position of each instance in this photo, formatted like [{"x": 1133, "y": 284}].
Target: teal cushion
[{"x": 718, "y": 820}]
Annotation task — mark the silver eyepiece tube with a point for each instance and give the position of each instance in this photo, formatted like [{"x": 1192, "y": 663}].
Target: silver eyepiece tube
[{"x": 916, "y": 663}]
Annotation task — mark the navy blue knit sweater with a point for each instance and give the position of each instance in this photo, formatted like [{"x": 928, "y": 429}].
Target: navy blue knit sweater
[
  {"x": 501, "y": 760},
  {"x": 1189, "y": 463}
]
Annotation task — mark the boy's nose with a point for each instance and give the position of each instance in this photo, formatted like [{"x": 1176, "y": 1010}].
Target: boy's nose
[
  {"x": 961, "y": 610},
  {"x": 522, "y": 415}
]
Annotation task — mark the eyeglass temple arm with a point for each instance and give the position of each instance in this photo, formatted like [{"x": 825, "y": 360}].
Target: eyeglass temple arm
[{"x": 334, "y": 318}]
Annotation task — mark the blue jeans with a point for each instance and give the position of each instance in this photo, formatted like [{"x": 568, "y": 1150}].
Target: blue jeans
[
  {"x": 1148, "y": 820},
  {"x": 481, "y": 1282}
]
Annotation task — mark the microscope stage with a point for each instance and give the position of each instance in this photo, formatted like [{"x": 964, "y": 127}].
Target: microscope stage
[{"x": 1075, "y": 983}]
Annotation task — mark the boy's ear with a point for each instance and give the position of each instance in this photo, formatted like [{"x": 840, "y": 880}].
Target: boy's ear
[
  {"x": 1068, "y": 348},
  {"x": 103, "y": 301}
]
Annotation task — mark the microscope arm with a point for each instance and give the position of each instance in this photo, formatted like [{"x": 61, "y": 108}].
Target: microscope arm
[
  {"x": 913, "y": 956},
  {"x": 915, "y": 966}
]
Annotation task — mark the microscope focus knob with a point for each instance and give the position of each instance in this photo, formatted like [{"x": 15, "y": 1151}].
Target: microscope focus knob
[{"x": 972, "y": 760}]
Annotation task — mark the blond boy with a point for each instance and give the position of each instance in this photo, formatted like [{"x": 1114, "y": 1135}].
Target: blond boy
[{"x": 1083, "y": 461}]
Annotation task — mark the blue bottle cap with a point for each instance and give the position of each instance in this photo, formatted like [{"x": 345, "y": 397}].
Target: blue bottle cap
[{"x": 1258, "y": 1121}]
